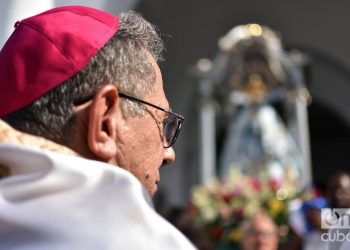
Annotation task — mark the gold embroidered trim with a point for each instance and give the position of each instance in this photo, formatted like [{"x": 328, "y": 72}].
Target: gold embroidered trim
[{"x": 9, "y": 135}]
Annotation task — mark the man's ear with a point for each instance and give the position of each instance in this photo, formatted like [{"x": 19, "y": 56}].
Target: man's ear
[{"x": 102, "y": 126}]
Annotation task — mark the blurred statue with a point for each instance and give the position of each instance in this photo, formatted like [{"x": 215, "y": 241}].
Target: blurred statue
[{"x": 255, "y": 92}]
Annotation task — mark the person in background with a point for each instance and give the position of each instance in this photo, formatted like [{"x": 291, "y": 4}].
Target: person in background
[
  {"x": 88, "y": 84},
  {"x": 260, "y": 233},
  {"x": 313, "y": 236},
  {"x": 338, "y": 196},
  {"x": 338, "y": 190}
]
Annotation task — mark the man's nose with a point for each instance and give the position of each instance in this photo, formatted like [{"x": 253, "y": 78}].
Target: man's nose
[{"x": 169, "y": 156}]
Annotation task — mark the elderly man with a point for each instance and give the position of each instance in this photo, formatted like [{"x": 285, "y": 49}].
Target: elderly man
[
  {"x": 89, "y": 83},
  {"x": 260, "y": 233}
]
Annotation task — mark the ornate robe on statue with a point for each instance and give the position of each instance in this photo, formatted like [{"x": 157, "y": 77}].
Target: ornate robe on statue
[{"x": 50, "y": 198}]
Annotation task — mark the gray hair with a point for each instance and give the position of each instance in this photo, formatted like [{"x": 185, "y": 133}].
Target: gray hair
[{"x": 123, "y": 61}]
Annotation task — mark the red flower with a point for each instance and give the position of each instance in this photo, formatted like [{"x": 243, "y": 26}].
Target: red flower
[
  {"x": 275, "y": 184},
  {"x": 256, "y": 184},
  {"x": 227, "y": 197},
  {"x": 216, "y": 232}
]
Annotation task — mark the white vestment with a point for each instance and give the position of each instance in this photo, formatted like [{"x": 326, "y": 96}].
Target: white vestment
[{"x": 58, "y": 201}]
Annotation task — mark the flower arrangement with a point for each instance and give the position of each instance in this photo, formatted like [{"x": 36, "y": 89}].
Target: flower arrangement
[{"x": 221, "y": 206}]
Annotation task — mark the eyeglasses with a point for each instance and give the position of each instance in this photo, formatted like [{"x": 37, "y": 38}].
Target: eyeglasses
[{"x": 171, "y": 125}]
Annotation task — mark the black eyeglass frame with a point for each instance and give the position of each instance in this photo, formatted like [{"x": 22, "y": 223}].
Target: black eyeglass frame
[{"x": 171, "y": 117}]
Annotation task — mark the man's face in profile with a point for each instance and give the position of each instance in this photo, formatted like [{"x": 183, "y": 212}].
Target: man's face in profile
[{"x": 141, "y": 148}]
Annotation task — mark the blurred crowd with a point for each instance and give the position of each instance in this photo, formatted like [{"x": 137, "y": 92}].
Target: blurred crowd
[{"x": 261, "y": 232}]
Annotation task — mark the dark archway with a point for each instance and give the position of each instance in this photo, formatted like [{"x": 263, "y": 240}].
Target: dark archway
[{"x": 330, "y": 140}]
